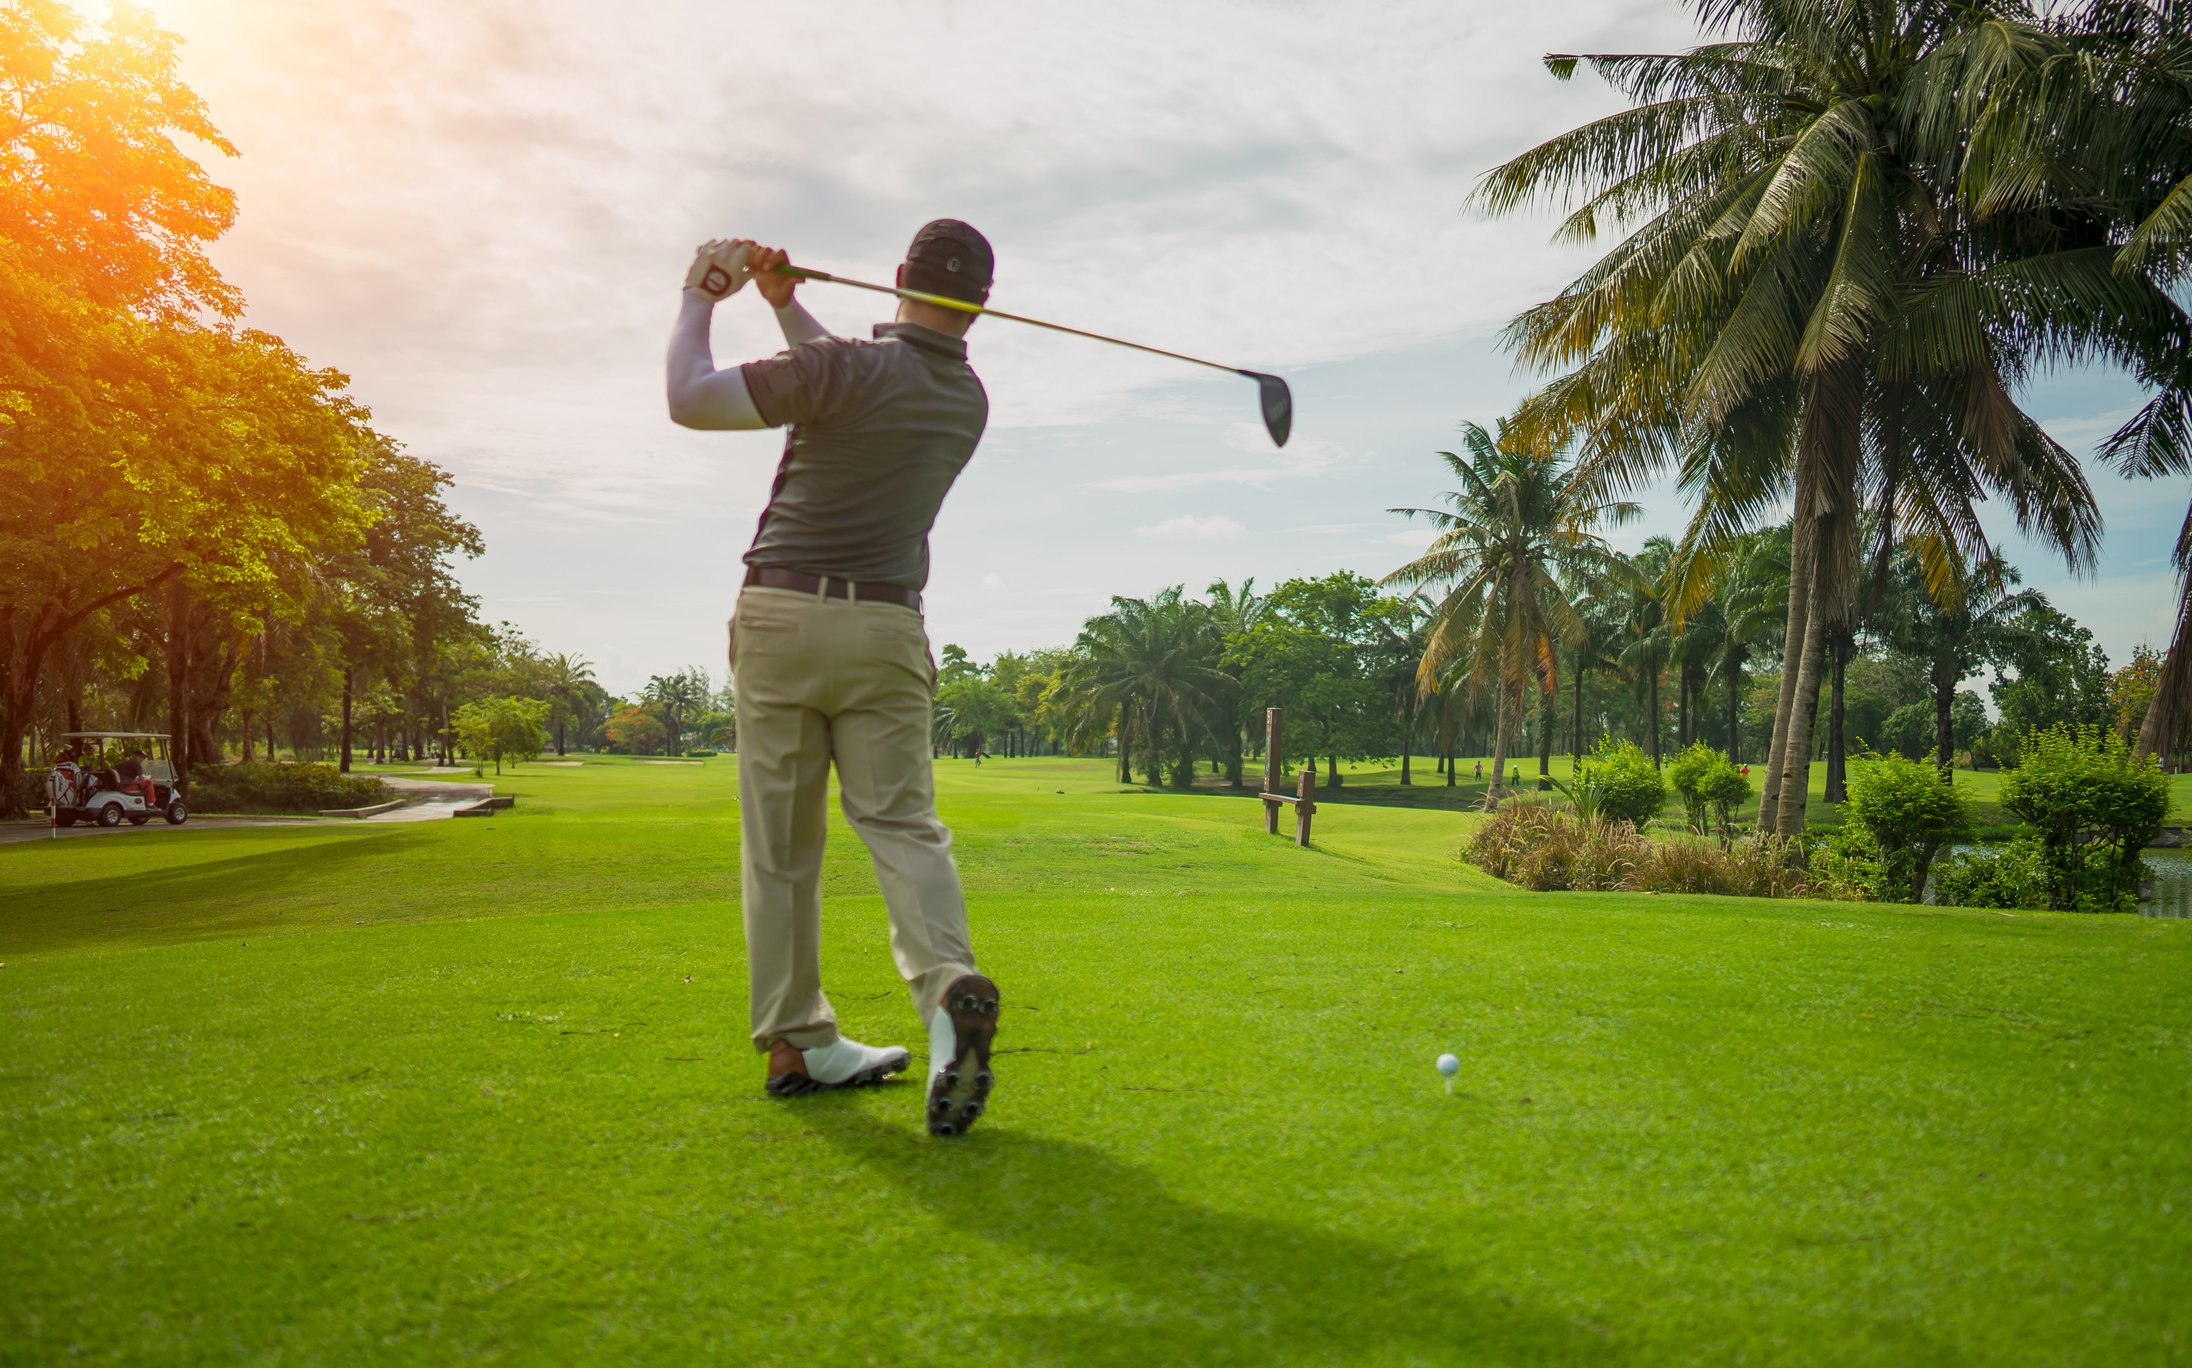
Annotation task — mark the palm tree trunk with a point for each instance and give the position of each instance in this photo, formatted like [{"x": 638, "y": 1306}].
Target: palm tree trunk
[
  {"x": 1504, "y": 713},
  {"x": 1837, "y": 739},
  {"x": 1944, "y": 726},
  {"x": 2163, "y": 729},
  {"x": 1653, "y": 690},
  {"x": 1802, "y": 543},
  {"x": 1803, "y": 711},
  {"x": 1734, "y": 670},
  {"x": 1126, "y": 762},
  {"x": 1408, "y": 731},
  {"x": 1548, "y": 718},
  {"x": 1575, "y": 751}
]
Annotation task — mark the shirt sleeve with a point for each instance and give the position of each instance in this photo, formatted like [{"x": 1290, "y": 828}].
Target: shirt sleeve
[{"x": 804, "y": 384}]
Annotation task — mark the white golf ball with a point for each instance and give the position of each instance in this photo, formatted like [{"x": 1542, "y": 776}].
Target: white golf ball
[{"x": 1448, "y": 1065}]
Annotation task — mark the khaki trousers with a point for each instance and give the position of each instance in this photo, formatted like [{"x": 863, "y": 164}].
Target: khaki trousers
[{"x": 821, "y": 680}]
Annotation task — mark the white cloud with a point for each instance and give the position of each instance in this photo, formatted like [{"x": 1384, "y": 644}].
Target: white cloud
[
  {"x": 1300, "y": 459},
  {"x": 1216, "y": 527}
]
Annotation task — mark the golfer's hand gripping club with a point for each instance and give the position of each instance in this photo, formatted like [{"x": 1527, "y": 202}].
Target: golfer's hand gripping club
[{"x": 720, "y": 268}]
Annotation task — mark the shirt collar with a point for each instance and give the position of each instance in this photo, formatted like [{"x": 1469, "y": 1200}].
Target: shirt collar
[{"x": 926, "y": 338}]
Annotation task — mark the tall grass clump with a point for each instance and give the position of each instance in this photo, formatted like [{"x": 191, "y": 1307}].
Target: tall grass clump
[{"x": 1547, "y": 850}]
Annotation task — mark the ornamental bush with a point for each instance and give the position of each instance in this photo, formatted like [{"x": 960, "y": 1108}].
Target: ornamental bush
[
  {"x": 1908, "y": 815},
  {"x": 2013, "y": 875},
  {"x": 258, "y": 787},
  {"x": 2093, "y": 805},
  {"x": 1711, "y": 787},
  {"x": 1630, "y": 786}
]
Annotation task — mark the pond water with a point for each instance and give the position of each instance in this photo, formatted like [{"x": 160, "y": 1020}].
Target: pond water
[
  {"x": 2168, "y": 894},
  {"x": 2171, "y": 894}
]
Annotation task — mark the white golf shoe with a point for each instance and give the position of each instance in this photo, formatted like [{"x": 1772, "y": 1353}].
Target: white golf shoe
[
  {"x": 840, "y": 1064},
  {"x": 960, "y": 1032}
]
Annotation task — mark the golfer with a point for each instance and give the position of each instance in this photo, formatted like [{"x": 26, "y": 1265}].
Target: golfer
[{"x": 829, "y": 655}]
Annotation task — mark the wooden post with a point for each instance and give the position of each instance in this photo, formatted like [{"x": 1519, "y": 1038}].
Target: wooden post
[
  {"x": 1274, "y": 759},
  {"x": 1305, "y": 806}
]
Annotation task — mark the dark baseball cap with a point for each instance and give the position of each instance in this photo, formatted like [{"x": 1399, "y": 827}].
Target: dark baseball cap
[{"x": 949, "y": 258}]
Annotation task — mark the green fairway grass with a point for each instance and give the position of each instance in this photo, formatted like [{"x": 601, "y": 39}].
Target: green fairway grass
[{"x": 481, "y": 1089}]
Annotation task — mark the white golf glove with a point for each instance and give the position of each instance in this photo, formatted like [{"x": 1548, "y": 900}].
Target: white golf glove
[{"x": 719, "y": 268}]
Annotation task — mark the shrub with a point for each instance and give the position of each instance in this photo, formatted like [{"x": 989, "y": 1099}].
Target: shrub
[
  {"x": 2094, "y": 805},
  {"x": 1746, "y": 869},
  {"x": 279, "y": 788},
  {"x": 2013, "y": 875},
  {"x": 1631, "y": 789},
  {"x": 34, "y": 787},
  {"x": 1686, "y": 773},
  {"x": 1546, "y": 850},
  {"x": 1585, "y": 791},
  {"x": 1711, "y": 787},
  {"x": 700, "y": 754},
  {"x": 1908, "y": 815},
  {"x": 1846, "y": 866}
]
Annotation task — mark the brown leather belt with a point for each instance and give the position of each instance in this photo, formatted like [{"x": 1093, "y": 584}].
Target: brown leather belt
[{"x": 768, "y": 577}]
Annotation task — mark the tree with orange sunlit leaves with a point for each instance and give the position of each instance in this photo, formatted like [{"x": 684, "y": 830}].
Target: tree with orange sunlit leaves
[{"x": 104, "y": 221}]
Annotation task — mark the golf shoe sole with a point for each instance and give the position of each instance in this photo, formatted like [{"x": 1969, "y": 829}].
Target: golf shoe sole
[{"x": 959, "y": 1087}]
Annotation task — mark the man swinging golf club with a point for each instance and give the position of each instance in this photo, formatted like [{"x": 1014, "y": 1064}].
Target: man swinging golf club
[{"x": 829, "y": 656}]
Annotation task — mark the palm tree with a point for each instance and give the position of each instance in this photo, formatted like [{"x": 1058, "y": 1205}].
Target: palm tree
[
  {"x": 1149, "y": 662},
  {"x": 1232, "y": 613},
  {"x": 1647, "y": 633},
  {"x": 1514, "y": 529},
  {"x": 1809, "y": 308},
  {"x": 678, "y": 696},
  {"x": 1979, "y": 619},
  {"x": 568, "y": 675},
  {"x": 1400, "y": 651}
]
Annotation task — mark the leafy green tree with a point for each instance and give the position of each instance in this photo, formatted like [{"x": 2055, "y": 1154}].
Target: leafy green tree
[
  {"x": 971, "y": 710},
  {"x": 509, "y": 728},
  {"x": 1316, "y": 653},
  {"x": 2051, "y": 675}
]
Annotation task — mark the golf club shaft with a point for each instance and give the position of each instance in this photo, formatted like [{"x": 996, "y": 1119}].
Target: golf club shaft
[{"x": 962, "y": 306}]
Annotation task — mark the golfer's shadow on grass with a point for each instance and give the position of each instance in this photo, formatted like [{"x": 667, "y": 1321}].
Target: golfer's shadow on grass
[{"x": 1173, "y": 1282}]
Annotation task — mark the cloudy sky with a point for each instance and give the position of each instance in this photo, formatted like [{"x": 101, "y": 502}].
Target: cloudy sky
[{"x": 483, "y": 211}]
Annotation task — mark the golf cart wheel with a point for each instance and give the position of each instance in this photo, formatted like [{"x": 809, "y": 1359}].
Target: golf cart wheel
[
  {"x": 65, "y": 819},
  {"x": 110, "y": 815},
  {"x": 139, "y": 818},
  {"x": 177, "y": 814}
]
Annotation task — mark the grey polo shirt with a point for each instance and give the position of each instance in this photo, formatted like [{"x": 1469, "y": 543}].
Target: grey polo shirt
[{"x": 879, "y": 430}]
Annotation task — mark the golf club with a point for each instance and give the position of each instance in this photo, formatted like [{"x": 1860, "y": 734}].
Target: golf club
[{"x": 1277, "y": 400}]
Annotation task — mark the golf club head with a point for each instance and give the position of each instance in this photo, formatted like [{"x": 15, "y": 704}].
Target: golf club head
[{"x": 1278, "y": 405}]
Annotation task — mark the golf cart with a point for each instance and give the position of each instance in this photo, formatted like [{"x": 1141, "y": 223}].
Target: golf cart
[{"x": 108, "y": 785}]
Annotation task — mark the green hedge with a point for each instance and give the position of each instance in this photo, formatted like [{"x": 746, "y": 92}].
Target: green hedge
[{"x": 279, "y": 788}]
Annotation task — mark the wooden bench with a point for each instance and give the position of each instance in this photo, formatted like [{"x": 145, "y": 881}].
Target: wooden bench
[{"x": 1303, "y": 799}]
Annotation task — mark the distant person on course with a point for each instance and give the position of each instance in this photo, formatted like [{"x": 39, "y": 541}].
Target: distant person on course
[{"x": 830, "y": 658}]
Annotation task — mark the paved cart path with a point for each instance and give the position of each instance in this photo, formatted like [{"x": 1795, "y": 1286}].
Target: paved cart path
[{"x": 426, "y": 800}]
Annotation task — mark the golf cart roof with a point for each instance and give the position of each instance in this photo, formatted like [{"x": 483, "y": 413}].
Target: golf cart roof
[{"x": 114, "y": 736}]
